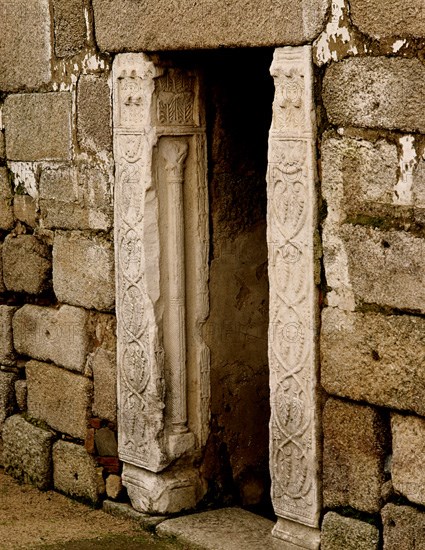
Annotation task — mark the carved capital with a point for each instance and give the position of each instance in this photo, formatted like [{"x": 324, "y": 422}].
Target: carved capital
[{"x": 175, "y": 154}]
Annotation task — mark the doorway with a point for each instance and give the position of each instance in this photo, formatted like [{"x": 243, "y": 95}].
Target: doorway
[{"x": 239, "y": 95}]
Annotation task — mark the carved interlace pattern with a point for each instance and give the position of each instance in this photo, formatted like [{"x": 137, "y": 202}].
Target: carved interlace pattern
[
  {"x": 140, "y": 359},
  {"x": 157, "y": 128},
  {"x": 292, "y": 354}
]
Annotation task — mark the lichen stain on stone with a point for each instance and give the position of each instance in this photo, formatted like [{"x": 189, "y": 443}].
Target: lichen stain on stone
[
  {"x": 339, "y": 39},
  {"x": 67, "y": 70}
]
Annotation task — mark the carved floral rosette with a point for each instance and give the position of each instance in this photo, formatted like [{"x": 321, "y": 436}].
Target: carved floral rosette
[
  {"x": 155, "y": 109},
  {"x": 292, "y": 337}
]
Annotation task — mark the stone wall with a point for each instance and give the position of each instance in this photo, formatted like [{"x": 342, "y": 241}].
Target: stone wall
[
  {"x": 58, "y": 373},
  {"x": 58, "y": 409},
  {"x": 372, "y": 153}
]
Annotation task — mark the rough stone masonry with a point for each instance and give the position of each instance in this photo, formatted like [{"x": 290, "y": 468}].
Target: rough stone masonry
[{"x": 59, "y": 265}]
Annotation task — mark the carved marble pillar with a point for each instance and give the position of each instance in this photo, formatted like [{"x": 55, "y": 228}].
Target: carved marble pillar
[
  {"x": 161, "y": 243},
  {"x": 292, "y": 225}
]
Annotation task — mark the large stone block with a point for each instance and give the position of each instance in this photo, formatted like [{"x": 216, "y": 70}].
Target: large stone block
[
  {"x": 358, "y": 176},
  {"x": 70, "y": 27},
  {"x": 404, "y": 527},
  {"x": 353, "y": 456},
  {"x": 6, "y": 210},
  {"x": 374, "y": 358},
  {"x": 376, "y": 92},
  {"x": 155, "y": 25},
  {"x": 26, "y": 264},
  {"x": 27, "y": 452},
  {"x": 7, "y": 351},
  {"x": 25, "y": 209},
  {"x": 395, "y": 18},
  {"x": 105, "y": 384},
  {"x": 76, "y": 198},
  {"x": 94, "y": 120},
  {"x": 83, "y": 271},
  {"x": 75, "y": 472},
  {"x": 38, "y": 126},
  {"x": 341, "y": 533},
  {"x": 59, "y": 397},
  {"x": 398, "y": 257},
  {"x": 7, "y": 396},
  {"x": 25, "y": 44},
  {"x": 407, "y": 471},
  {"x": 57, "y": 335}
]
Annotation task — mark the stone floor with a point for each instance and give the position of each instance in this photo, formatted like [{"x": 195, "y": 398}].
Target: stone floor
[{"x": 31, "y": 519}]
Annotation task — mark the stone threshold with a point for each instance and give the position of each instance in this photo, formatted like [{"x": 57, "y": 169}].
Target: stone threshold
[{"x": 224, "y": 529}]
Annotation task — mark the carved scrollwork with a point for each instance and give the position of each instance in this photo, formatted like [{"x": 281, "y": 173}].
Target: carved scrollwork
[{"x": 292, "y": 356}]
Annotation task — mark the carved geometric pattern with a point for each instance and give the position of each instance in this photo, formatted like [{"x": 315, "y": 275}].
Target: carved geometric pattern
[
  {"x": 140, "y": 357},
  {"x": 155, "y": 133},
  {"x": 292, "y": 337}
]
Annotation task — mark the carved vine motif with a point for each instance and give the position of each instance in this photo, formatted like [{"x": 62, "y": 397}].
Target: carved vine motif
[
  {"x": 139, "y": 366},
  {"x": 291, "y": 337},
  {"x": 175, "y": 96}
]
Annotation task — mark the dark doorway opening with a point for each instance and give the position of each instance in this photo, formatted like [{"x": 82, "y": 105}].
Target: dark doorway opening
[{"x": 239, "y": 95}]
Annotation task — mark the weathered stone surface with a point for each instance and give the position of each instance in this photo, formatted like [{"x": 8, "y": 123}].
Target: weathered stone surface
[
  {"x": 396, "y": 256},
  {"x": 94, "y": 120},
  {"x": 167, "y": 492},
  {"x": 21, "y": 394},
  {"x": 104, "y": 365},
  {"x": 153, "y": 25},
  {"x": 122, "y": 510},
  {"x": 7, "y": 396},
  {"x": 65, "y": 409},
  {"x": 38, "y": 126},
  {"x": 27, "y": 452},
  {"x": 407, "y": 472},
  {"x": 2, "y": 145},
  {"x": 25, "y": 44},
  {"x": 226, "y": 529},
  {"x": 58, "y": 335},
  {"x": 114, "y": 486},
  {"x": 26, "y": 264},
  {"x": 353, "y": 456},
  {"x": 395, "y": 18},
  {"x": 76, "y": 198},
  {"x": 2, "y": 285},
  {"x": 6, "y": 210},
  {"x": 358, "y": 176},
  {"x": 25, "y": 209},
  {"x": 83, "y": 271},
  {"x": 339, "y": 532},
  {"x": 376, "y": 92},
  {"x": 70, "y": 27},
  {"x": 404, "y": 527},
  {"x": 106, "y": 442},
  {"x": 374, "y": 358},
  {"x": 7, "y": 352},
  {"x": 75, "y": 472}
]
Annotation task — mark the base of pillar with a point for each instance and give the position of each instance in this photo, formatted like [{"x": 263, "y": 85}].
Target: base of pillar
[
  {"x": 168, "y": 492},
  {"x": 301, "y": 536},
  {"x": 179, "y": 444}
]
